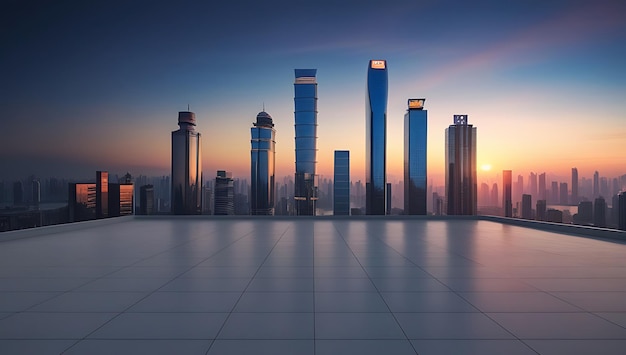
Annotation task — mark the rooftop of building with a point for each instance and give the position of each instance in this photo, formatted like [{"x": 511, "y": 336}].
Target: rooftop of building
[{"x": 209, "y": 285}]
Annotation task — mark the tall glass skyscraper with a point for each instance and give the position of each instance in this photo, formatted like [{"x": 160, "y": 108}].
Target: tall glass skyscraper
[
  {"x": 461, "y": 184},
  {"x": 415, "y": 135},
  {"x": 305, "y": 101},
  {"x": 341, "y": 184},
  {"x": 186, "y": 166},
  {"x": 507, "y": 193},
  {"x": 262, "y": 169},
  {"x": 376, "y": 138}
]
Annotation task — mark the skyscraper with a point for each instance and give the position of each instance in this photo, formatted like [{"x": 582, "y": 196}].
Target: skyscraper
[
  {"x": 599, "y": 212},
  {"x": 621, "y": 219},
  {"x": 574, "y": 186},
  {"x": 542, "y": 187},
  {"x": 341, "y": 184},
  {"x": 563, "y": 193},
  {"x": 186, "y": 166},
  {"x": 102, "y": 194},
  {"x": 596, "y": 184},
  {"x": 507, "y": 193},
  {"x": 527, "y": 210},
  {"x": 376, "y": 138},
  {"x": 461, "y": 182},
  {"x": 224, "y": 193},
  {"x": 305, "y": 113},
  {"x": 415, "y": 134},
  {"x": 262, "y": 169}
]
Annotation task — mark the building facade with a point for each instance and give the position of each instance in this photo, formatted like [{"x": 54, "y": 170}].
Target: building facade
[
  {"x": 507, "y": 193},
  {"x": 415, "y": 144},
  {"x": 461, "y": 184},
  {"x": 341, "y": 183},
  {"x": 224, "y": 194},
  {"x": 121, "y": 199},
  {"x": 376, "y": 138},
  {"x": 102, "y": 194},
  {"x": 574, "y": 201},
  {"x": 186, "y": 197},
  {"x": 262, "y": 165},
  {"x": 146, "y": 200},
  {"x": 305, "y": 114}
]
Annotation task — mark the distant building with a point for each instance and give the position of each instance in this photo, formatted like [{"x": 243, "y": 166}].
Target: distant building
[
  {"x": 36, "y": 190},
  {"x": 438, "y": 206},
  {"x": 305, "y": 102},
  {"x": 554, "y": 193},
  {"x": 262, "y": 169},
  {"x": 541, "y": 210},
  {"x": 388, "y": 196},
  {"x": 81, "y": 202},
  {"x": 341, "y": 183},
  {"x": 527, "y": 210},
  {"x": 507, "y": 193},
  {"x": 18, "y": 193},
  {"x": 121, "y": 199},
  {"x": 555, "y": 216},
  {"x": 224, "y": 194},
  {"x": 415, "y": 146},
  {"x": 376, "y": 138},
  {"x": 461, "y": 184},
  {"x": 599, "y": 212},
  {"x": 563, "y": 194},
  {"x": 542, "y": 187},
  {"x": 102, "y": 194},
  {"x": 146, "y": 200},
  {"x": 621, "y": 222},
  {"x": 574, "y": 199},
  {"x": 596, "y": 184},
  {"x": 585, "y": 213},
  {"x": 186, "y": 196}
]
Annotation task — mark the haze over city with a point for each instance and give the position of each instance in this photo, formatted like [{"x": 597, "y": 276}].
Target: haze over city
[{"x": 98, "y": 85}]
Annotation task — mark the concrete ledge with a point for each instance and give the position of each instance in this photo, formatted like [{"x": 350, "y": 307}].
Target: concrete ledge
[{"x": 60, "y": 228}]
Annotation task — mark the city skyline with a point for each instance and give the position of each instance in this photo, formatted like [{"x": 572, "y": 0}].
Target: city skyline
[{"x": 542, "y": 80}]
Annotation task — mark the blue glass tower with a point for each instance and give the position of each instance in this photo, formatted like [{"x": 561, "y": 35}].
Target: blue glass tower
[
  {"x": 341, "y": 185},
  {"x": 186, "y": 166},
  {"x": 305, "y": 101},
  {"x": 262, "y": 158},
  {"x": 415, "y": 135},
  {"x": 376, "y": 138}
]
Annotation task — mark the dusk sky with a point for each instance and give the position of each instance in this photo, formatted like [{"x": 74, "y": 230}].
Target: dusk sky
[{"x": 97, "y": 85}]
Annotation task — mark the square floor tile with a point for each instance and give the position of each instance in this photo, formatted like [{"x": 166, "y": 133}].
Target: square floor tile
[
  {"x": 162, "y": 326},
  {"x": 340, "y": 272},
  {"x": 427, "y": 302},
  {"x": 268, "y": 326},
  {"x": 57, "y": 284},
  {"x": 206, "y": 285},
  {"x": 558, "y": 326},
  {"x": 363, "y": 347},
  {"x": 285, "y": 271},
  {"x": 471, "y": 347},
  {"x": 517, "y": 302},
  {"x": 450, "y": 326},
  {"x": 275, "y": 302},
  {"x": 357, "y": 326},
  {"x": 221, "y": 272},
  {"x": 144, "y": 284},
  {"x": 281, "y": 285},
  {"x": 595, "y": 301},
  {"x": 90, "y": 302},
  {"x": 32, "y": 346},
  {"x": 338, "y": 302},
  {"x": 409, "y": 285},
  {"x": 396, "y": 272},
  {"x": 21, "y": 301},
  {"x": 187, "y": 302},
  {"x": 143, "y": 346},
  {"x": 344, "y": 285},
  {"x": 488, "y": 285},
  {"x": 578, "y": 347},
  {"x": 579, "y": 285},
  {"x": 148, "y": 271},
  {"x": 262, "y": 347},
  {"x": 618, "y": 318},
  {"x": 51, "y": 325}
]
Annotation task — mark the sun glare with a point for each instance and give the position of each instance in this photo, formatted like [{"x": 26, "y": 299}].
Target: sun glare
[{"x": 485, "y": 167}]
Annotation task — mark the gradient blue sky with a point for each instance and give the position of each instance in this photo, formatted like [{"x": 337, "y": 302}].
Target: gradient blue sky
[{"x": 98, "y": 84}]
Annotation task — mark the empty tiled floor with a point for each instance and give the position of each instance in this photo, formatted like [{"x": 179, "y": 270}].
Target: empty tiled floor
[{"x": 311, "y": 286}]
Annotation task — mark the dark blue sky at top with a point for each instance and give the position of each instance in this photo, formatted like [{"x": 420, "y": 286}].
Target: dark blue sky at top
[{"x": 70, "y": 65}]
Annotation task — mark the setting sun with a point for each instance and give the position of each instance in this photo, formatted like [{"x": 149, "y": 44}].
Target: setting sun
[{"x": 485, "y": 167}]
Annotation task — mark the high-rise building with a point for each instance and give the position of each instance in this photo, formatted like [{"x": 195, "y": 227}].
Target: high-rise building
[
  {"x": 585, "y": 213},
  {"x": 507, "y": 193},
  {"x": 102, "y": 194},
  {"x": 388, "y": 196},
  {"x": 574, "y": 200},
  {"x": 186, "y": 166},
  {"x": 415, "y": 135},
  {"x": 262, "y": 169},
  {"x": 621, "y": 221},
  {"x": 81, "y": 201},
  {"x": 527, "y": 209},
  {"x": 146, "y": 200},
  {"x": 305, "y": 113},
  {"x": 224, "y": 194},
  {"x": 18, "y": 193},
  {"x": 121, "y": 199},
  {"x": 599, "y": 212},
  {"x": 596, "y": 184},
  {"x": 461, "y": 184},
  {"x": 554, "y": 192},
  {"x": 541, "y": 210},
  {"x": 376, "y": 138},
  {"x": 563, "y": 193},
  {"x": 532, "y": 184},
  {"x": 542, "y": 187},
  {"x": 494, "y": 195},
  {"x": 341, "y": 183}
]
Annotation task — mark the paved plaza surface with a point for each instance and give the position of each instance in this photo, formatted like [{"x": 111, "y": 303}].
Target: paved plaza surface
[{"x": 309, "y": 286}]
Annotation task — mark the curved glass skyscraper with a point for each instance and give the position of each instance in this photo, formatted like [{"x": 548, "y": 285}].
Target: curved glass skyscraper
[
  {"x": 305, "y": 101},
  {"x": 186, "y": 166},
  {"x": 376, "y": 138},
  {"x": 415, "y": 134},
  {"x": 262, "y": 158}
]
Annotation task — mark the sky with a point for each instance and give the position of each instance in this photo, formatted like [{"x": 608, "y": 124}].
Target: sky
[{"x": 97, "y": 85}]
